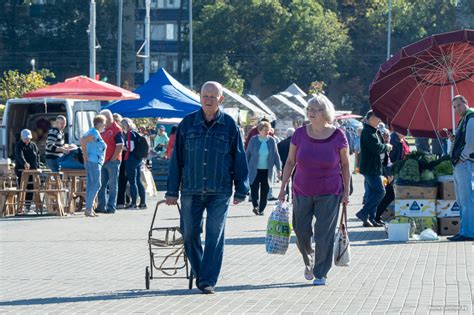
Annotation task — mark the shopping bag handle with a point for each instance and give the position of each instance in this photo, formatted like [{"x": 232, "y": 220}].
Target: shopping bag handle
[{"x": 343, "y": 222}]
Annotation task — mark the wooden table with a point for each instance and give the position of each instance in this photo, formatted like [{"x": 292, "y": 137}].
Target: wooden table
[
  {"x": 72, "y": 177},
  {"x": 25, "y": 181}
]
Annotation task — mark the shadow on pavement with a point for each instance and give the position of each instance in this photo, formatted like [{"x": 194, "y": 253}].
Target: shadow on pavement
[{"x": 131, "y": 294}]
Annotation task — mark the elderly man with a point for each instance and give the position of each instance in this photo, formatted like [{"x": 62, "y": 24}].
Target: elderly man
[
  {"x": 462, "y": 157},
  {"x": 372, "y": 151},
  {"x": 113, "y": 137},
  {"x": 208, "y": 159}
]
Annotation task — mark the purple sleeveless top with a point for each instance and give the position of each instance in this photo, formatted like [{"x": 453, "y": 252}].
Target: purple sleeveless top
[{"x": 318, "y": 168}]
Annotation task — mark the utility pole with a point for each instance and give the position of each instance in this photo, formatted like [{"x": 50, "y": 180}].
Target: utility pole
[
  {"x": 119, "y": 44},
  {"x": 389, "y": 32},
  {"x": 191, "y": 44},
  {"x": 146, "y": 69},
  {"x": 92, "y": 59}
]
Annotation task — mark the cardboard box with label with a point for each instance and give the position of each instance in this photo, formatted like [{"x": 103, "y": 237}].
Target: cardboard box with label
[
  {"x": 415, "y": 207},
  {"x": 449, "y": 226},
  {"x": 447, "y": 208},
  {"x": 415, "y": 192},
  {"x": 423, "y": 223},
  {"x": 446, "y": 191}
]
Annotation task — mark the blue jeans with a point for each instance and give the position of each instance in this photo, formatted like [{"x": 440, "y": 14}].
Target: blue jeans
[
  {"x": 374, "y": 193},
  {"x": 93, "y": 183},
  {"x": 53, "y": 165},
  {"x": 132, "y": 169},
  {"x": 109, "y": 178},
  {"x": 206, "y": 265},
  {"x": 463, "y": 185}
]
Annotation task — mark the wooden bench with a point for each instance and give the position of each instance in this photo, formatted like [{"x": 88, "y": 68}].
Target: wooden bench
[{"x": 8, "y": 201}]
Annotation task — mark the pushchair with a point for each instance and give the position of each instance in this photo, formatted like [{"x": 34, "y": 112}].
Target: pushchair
[{"x": 166, "y": 249}]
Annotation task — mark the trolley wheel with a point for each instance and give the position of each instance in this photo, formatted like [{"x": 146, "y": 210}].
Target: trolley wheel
[
  {"x": 191, "y": 278},
  {"x": 147, "y": 278}
]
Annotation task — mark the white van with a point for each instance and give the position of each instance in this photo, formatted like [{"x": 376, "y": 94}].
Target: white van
[{"x": 37, "y": 114}]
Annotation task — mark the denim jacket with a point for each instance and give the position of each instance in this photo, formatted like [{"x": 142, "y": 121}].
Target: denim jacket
[{"x": 208, "y": 160}]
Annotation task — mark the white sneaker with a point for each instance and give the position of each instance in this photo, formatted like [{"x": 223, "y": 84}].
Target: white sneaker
[
  {"x": 308, "y": 274},
  {"x": 319, "y": 281}
]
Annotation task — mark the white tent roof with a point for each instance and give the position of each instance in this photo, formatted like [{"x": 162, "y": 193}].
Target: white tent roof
[
  {"x": 296, "y": 99},
  {"x": 295, "y": 90},
  {"x": 262, "y": 105},
  {"x": 240, "y": 100},
  {"x": 290, "y": 104}
]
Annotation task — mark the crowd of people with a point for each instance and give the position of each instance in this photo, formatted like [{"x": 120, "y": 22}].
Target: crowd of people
[
  {"x": 209, "y": 163},
  {"x": 112, "y": 153}
]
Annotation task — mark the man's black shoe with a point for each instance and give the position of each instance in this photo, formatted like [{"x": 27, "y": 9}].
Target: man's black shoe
[
  {"x": 272, "y": 198},
  {"x": 100, "y": 211},
  {"x": 375, "y": 223},
  {"x": 366, "y": 223},
  {"x": 454, "y": 237},
  {"x": 255, "y": 210},
  {"x": 461, "y": 238},
  {"x": 207, "y": 290}
]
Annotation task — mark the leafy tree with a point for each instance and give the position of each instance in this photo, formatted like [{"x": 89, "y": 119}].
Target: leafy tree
[
  {"x": 56, "y": 36},
  {"x": 265, "y": 41},
  {"x": 15, "y": 84}
]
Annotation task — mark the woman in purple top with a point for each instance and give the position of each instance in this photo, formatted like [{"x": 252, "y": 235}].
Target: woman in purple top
[{"x": 321, "y": 181}]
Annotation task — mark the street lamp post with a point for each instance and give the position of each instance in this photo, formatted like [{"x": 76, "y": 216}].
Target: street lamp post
[
  {"x": 119, "y": 44},
  {"x": 146, "y": 67},
  {"x": 92, "y": 45},
  {"x": 389, "y": 31},
  {"x": 191, "y": 44}
]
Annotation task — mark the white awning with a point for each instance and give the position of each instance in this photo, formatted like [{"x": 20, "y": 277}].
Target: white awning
[
  {"x": 290, "y": 104},
  {"x": 239, "y": 99},
  {"x": 262, "y": 105}
]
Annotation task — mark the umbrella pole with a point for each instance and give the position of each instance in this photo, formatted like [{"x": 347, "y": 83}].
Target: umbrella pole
[{"x": 452, "y": 110}]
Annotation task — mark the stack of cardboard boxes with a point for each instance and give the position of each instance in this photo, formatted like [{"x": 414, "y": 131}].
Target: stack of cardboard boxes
[
  {"x": 419, "y": 204},
  {"x": 447, "y": 209}
]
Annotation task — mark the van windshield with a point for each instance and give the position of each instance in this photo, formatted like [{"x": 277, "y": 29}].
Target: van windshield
[{"x": 83, "y": 122}]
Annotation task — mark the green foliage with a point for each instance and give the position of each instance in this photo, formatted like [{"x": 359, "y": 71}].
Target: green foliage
[
  {"x": 264, "y": 40},
  {"x": 410, "y": 171},
  {"x": 444, "y": 168},
  {"x": 427, "y": 175},
  {"x": 14, "y": 84}
]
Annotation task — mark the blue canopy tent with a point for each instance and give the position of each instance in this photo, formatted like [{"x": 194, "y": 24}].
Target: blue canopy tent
[{"x": 161, "y": 96}]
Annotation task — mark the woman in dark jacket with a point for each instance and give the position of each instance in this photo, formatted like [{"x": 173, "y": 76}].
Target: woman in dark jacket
[
  {"x": 400, "y": 148},
  {"x": 26, "y": 158}
]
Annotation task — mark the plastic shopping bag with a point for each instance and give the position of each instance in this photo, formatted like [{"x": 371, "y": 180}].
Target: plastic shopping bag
[
  {"x": 277, "y": 239},
  {"x": 342, "y": 253}
]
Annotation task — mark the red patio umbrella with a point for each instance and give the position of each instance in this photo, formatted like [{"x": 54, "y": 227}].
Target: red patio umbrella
[
  {"x": 412, "y": 91},
  {"x": 84, "y": 88}
]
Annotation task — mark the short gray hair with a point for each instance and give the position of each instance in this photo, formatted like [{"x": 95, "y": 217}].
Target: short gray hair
[
  {"x": 290, "y": 132},
  {"x": 321, "y": 100},
  {"x": 216, "y": 84},
  {"x": 460, "y": 97},
  {"x": 61, "y": 117},
  {"x": 107, "y": 113}
]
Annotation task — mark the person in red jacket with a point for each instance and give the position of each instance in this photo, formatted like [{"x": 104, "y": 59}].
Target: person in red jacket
[
  {"x": 113, "y": 137},
  {"x": 172, "y": 139}
]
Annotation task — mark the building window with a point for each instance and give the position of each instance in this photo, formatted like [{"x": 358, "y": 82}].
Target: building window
[
  {"x": 164, "y": 31},
  {"x": 140, "y": 32},
  {"x": 160, "y": 4},
  {"x": 167, "y": 61}
]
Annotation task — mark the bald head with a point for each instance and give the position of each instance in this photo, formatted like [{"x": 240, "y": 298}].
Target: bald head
[
  {"x": 211, "y": 98},
  {"x": 212, "y": 86}
]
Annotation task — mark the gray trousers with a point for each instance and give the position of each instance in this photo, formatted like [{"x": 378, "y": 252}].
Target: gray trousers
[{"x": 326, "y": 211}]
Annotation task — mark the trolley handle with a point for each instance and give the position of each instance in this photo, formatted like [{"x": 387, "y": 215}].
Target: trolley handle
[{"x": 158, "y": 204}]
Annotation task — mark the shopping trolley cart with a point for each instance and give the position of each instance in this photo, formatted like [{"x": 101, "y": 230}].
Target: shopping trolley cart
[{"x": 166, "y": 249}]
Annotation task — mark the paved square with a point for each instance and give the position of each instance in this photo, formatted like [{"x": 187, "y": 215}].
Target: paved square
[{"x": 85, "y": 265}]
